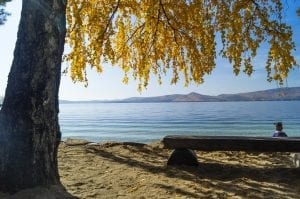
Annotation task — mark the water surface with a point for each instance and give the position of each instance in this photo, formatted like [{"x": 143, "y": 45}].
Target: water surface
[{"x": 146, "y": 122}]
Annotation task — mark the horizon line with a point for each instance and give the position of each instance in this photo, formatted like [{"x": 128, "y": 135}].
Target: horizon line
[{"x": 120, "y": 99}]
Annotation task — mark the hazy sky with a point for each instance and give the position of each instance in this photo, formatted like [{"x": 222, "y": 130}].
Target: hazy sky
[{"x": 108, "y": 85}]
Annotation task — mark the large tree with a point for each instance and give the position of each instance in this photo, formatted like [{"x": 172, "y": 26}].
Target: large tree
[
  {"x": 140, "y": 36},
  {"x": 29, "y": 129}
]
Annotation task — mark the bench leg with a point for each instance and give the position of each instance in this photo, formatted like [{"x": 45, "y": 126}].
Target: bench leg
[
  {"x": 297, "y": 160},
  {"x": 183, "y": 157}
]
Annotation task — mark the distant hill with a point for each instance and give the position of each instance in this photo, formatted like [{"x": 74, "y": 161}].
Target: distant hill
[
  {"x": 266, "y": 95},
  {"x": 191, "y": 97},
  {"x": 279, "y": 94}
]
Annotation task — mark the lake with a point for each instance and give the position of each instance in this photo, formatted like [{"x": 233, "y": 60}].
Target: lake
[{"x": 147, "y": 122}]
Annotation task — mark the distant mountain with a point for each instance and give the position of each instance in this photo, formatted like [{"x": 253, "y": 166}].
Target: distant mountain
[
  {"x": 191, "y": 97},
  {"x": 279, "y": 94}
]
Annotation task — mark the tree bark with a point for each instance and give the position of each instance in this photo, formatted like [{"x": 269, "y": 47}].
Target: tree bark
[{"x": 29, "y": 129}]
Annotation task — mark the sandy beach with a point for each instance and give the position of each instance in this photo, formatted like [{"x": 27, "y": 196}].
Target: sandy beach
[
  {"x": 120, "y": 170},
  {"x": 131, "y": 170}
]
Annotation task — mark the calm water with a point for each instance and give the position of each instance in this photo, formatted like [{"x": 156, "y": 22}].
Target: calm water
[{"x": 146, "y": 122}]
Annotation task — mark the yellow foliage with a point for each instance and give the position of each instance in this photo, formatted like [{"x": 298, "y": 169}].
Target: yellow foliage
[{"x": 154, "y": 36}]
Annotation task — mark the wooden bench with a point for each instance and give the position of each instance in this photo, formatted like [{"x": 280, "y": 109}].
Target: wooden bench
[{"x": 184, "y": 146}]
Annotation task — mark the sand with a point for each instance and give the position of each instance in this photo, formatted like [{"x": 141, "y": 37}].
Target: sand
[
  {"x": 130, "y": 170},
  {"x": 120, "y": 170}
]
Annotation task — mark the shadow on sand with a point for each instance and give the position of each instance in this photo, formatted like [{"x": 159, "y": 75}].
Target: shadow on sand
[{"x": 235, "y": 179}]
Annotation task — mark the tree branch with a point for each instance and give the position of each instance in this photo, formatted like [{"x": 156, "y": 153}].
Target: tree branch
[{"x": 110, "y": 19}]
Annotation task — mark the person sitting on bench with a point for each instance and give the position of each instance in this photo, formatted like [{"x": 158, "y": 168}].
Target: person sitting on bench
[{"x": 279, "y": 132}]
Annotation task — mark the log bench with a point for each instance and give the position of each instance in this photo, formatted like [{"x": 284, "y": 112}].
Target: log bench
[{"x": 184, "y": 146}]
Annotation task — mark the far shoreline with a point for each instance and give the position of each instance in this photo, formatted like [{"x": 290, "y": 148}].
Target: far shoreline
[
  {"x": 120, "y": 102},
  {"x": 278, "y": 94}
]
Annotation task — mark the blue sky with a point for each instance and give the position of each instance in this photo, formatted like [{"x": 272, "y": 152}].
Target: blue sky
[{"x": 108, "y": 85}]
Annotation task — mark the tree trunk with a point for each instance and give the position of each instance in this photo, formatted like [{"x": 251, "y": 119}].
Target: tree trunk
[{"x": 29, "y": 129}]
